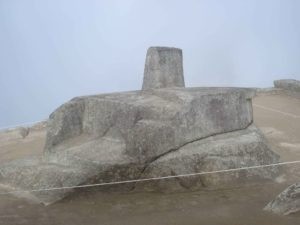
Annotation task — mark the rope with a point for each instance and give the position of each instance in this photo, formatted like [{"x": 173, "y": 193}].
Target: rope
[
  {"x": 152, "y": 178},
  {"x": 166, "y": 177},
  {"x": 278, "y": 111}
]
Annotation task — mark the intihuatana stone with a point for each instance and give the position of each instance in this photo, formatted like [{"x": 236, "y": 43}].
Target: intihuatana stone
[
  {"x": 163, "y": 68},
  {"x": 143, "y": 134},
  {"x": 140, "y": 134}
]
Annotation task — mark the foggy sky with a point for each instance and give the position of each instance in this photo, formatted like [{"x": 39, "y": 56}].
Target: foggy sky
[{"x": 53, "y": 50}]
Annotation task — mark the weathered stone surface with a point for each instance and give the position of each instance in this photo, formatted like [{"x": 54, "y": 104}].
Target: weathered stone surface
[
  {"x": 286, "y": 202},
  {"x": 238, "y": 149},
  {"x": 36, "y": 174},
  {"x": 163, "y": 68},
  {"x": 104, "y": 161},
  {"x": 91, "y": 162},
  {"x": 288, "y": 84},
  {"x": 124, "y": 136},
  {"x": 151, "y": 122}
]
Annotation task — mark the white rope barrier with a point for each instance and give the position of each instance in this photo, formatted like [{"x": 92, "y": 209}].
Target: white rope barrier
[
  {"x": 277, "y": 111},
  {"x": 164, "y": 177},
  {"x": 152, "y": 178}
]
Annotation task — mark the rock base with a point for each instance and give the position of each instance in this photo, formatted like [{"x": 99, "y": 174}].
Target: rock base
[{"x": 145, "y": 134}]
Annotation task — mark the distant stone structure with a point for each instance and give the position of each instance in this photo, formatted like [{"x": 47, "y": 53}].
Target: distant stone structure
[
  {"x": 288, "y": 84},
  {"x": 159, "y": 131},
  {"x": 163, "y": 68},
  {"x": 289, "y": 87}
]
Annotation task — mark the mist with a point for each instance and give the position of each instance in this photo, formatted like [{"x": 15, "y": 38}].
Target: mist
[{"x": 52, "y": 51}]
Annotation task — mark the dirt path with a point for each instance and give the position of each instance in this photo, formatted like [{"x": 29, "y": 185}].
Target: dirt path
[
  {"x": 276, "y": 115},
  {"x": 279, "y": 119}
]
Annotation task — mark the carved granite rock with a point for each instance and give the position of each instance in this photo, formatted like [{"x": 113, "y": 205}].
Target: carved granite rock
[
  {"x": 237, "y": 149},
  {"x": 132, "y": 135},
  {"x": 152, "y": 122},
  {"x": 163, "y": 68},
  {"x": 143, "y": 134}
]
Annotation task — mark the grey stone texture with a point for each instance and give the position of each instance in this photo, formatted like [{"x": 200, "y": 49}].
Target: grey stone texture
[
  {"x": 288, "y": 84},
  {"x": 152, "y": 122},
  {"x": 237, "y": 149},
  {"x": 163, "y": 68},
  {"x": 286, "y": 202}
]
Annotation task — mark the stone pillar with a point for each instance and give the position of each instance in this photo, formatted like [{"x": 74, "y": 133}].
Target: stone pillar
[{"x": 163, "y": 68}]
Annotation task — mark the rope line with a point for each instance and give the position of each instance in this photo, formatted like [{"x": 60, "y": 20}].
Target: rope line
[
  {"x": 163, "y": 177},
  {"x": 275, "y": 110},
  {"x": 152, "y": 178}
]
